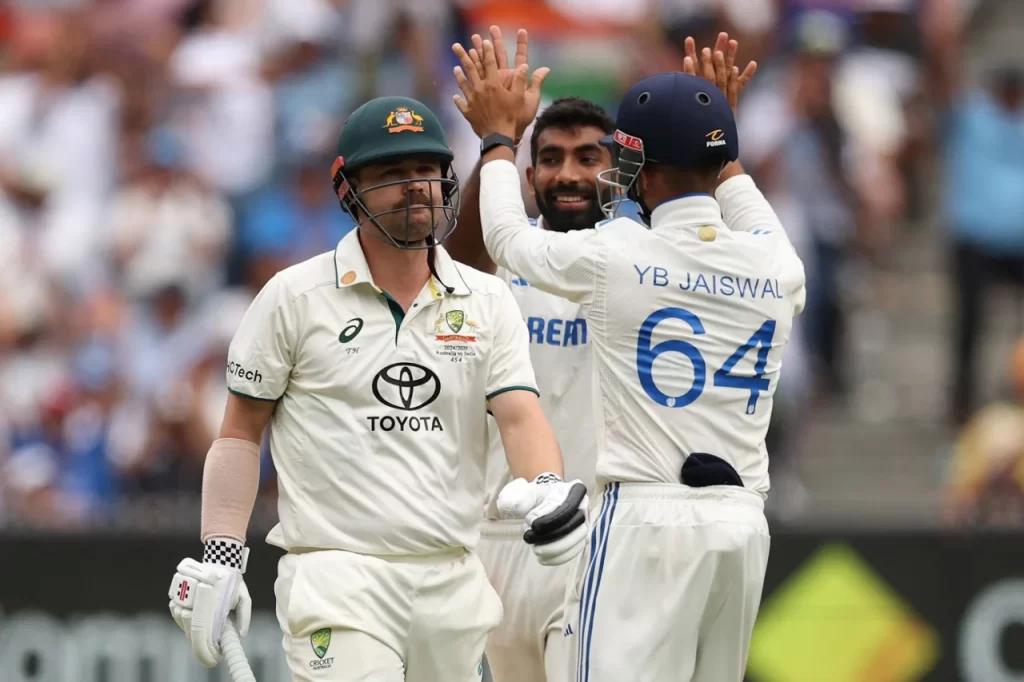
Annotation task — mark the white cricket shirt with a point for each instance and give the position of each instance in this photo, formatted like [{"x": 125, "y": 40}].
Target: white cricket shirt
[
  {"x": 560, "y": 350},
  {"x": 379, "y": 436},
  {"x": 688, "y": 321}
]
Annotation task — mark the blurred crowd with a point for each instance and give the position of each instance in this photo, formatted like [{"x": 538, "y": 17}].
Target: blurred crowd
[{"x": 160, "y": 160}]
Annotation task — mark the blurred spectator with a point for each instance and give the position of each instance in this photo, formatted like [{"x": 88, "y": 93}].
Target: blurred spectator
[
  {"x": 414, "y": 26},
  {"x": 985, "y": 480},
  {"x": 227, "y": 115},
  {"x": 179, "y": 403},
  {"x": 166, "y": 219},
  {"x": 32, "y": 363},
  {"x": 58, "y": 136},
  {"x": 312, "y": 86},
  {"x": 59, "y": 472},
  {"x": 793, "y": 139},
  {"x": 161, "y": 338},
  {"x": 983, "y": 207},
  {"x": 879, "y": 84},
  {"x": 292, "y": 223}
]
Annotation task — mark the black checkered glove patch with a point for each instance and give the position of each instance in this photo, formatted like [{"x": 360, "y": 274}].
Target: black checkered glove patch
[
  {"x": 226, "y": 552},
  {"x": 546, "y": 478}
]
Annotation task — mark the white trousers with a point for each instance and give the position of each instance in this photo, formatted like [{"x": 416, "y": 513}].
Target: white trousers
[
  {"x": 356, "y": 618},
  {"x": 670, "y": 585},
  {"x": 530, "y": 644}
]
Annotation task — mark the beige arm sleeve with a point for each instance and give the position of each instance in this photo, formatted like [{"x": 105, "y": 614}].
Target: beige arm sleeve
[{"x": 231, "y": 477}]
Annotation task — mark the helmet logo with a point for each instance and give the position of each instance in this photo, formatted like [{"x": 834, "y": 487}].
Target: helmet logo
[
  {"x": 716, "y": 138},
  {"x": 629, "y": 141},
  {"x": 402, "y": 119}
]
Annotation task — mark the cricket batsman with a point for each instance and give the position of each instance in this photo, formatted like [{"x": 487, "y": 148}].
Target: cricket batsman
[
  {"x": 687, "y": 321},
  {"x": 375, "y": 366}
]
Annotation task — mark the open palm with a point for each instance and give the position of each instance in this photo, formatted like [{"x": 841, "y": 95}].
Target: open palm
[
  {"x": 506, "y": 74},
  {"x": 718, "y": 66}
]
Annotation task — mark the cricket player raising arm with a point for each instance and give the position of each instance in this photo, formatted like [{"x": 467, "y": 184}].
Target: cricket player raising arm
[
  {"x": 566, "y": 155},
  {"x": 687, "y": 321},
  {"x": 375, "y": 366}
]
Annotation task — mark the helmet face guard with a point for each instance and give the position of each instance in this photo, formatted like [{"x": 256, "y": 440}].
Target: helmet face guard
[
  {"x": 617, "y": 185},
  {"x": 444, "y": 208}
]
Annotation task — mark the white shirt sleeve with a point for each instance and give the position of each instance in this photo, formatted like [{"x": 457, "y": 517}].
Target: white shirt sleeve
[
  {"x": 745, "y": 209},
  {"x": 261, "y": 355},
  {"x": 564, "y": 264},
  {"x": 509, "y": 367}
]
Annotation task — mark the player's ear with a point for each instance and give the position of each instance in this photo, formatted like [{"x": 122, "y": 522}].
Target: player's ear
[
  {"x": 529, "y": 178},
  {"x": 641, "y": 180}
]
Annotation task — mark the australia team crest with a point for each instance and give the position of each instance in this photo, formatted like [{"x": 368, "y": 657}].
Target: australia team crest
[
  {"x": 455, "y": 321},
  {"x": 404, "y": 120},
  {"x": 456, "y": 335}
]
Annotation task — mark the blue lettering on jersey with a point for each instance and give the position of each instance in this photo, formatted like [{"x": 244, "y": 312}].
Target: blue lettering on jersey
[
  {"x": 714, "y": 285},
  {"x": 721, "y": 285},
  {"x": 557, "y": 332},
  {"x": 519, "y": 282}
]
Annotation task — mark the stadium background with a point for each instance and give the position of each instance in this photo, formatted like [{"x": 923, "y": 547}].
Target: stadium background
[{"x": 160, "y": 159}]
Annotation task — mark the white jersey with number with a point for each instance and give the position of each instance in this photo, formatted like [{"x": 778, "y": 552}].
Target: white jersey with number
[
  {"x": 380, "y": 432},
  {"x": 687, "y": 319},
  {"x": 560, "y": 350}
]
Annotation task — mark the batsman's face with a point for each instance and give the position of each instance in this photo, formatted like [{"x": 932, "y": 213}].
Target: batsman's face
[
  {"x": 564, "y": 178},
  {"x": 405, "y": 197}
]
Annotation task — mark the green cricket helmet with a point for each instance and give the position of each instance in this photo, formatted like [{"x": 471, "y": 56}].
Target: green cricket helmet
[{"x": 385, "y": 130}]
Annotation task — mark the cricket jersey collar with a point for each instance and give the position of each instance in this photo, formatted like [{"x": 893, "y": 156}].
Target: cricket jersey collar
[
  {"x": 351, "y": 268},
  {"x": 350, "y": 265},
  {"x": 692, "y": 209}
]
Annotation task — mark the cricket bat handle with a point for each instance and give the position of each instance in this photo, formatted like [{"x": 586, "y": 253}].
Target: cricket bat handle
[{"x": 234, "y": 655}]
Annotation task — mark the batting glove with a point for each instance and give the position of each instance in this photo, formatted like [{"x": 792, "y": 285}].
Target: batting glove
[
  {"x": 204, "y": 594},
  {"x": 555, "y": 515}
]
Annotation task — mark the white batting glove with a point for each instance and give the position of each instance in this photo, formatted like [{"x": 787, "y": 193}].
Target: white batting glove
[
  {"x": 204, "y": 594},
  {"x": 554, "y": 513}
]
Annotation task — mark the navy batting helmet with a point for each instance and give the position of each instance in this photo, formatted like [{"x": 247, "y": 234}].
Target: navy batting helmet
[{"x": 673, "y": 119}]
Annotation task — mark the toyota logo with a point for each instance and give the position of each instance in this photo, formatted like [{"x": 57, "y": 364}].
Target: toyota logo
[{"x": 406, "y": 386}]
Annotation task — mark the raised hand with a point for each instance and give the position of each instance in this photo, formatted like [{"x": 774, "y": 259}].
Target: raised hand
[
  {"x": 531, "y": 101},
  {"x": 489, "y": 107},
  {"x": 719, "y": 66}
]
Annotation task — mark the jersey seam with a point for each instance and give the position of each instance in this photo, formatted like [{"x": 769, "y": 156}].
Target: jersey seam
[{"x": 314, "y": 287}]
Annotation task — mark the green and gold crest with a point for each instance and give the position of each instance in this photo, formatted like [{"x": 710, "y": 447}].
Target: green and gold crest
[
  {"x": 455, "y": 319},
  {"x": 320, "y": 640}
]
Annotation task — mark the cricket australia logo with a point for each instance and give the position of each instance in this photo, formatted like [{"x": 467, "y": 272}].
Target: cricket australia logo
[
  {"x": 321, "y": 641},
  {"x": 404, "y": 120},
  {"x": 455, "y": 320}
]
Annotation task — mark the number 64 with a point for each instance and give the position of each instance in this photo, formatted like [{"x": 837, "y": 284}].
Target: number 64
[{"x": 646, "y": 354}]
